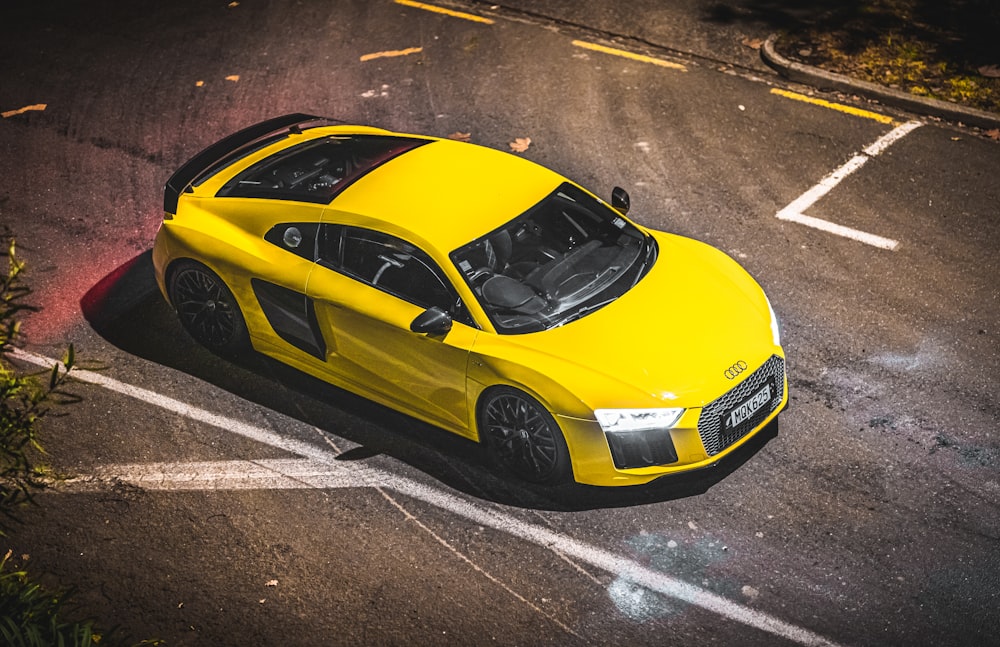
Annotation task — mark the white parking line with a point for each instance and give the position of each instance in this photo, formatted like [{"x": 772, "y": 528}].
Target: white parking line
[
  {"x": 794, "y": 211},
  {"x": 264, "y": 474},
  {"x": 311, "y": 473}
]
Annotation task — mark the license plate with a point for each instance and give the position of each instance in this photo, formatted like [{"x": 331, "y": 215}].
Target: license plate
[{"x": 743, "y": 411}]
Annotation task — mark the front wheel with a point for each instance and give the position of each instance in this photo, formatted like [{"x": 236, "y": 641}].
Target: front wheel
[
  {"x": 522, "y": 436},
  {"x": 207, "y": 309}
]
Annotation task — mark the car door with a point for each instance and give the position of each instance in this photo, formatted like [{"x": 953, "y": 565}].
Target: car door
[
  {"x": 368, "y": 287},
  {"x": 267, "y": 266}
]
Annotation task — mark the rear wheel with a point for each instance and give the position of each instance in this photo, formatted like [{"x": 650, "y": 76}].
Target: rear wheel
[
  {"x": 207, "y": 309},
  {"x": 522, "y": 436}
]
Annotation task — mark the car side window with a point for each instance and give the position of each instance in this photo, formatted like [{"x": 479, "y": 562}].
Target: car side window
[
  {"x": 296, "y": 237},
  {"x": 391, "y": 265}
]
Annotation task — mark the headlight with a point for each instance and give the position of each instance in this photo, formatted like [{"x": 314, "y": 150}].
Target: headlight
[
  {"x": 775, "y": 328},
  {"x": 614, "y": 420}
]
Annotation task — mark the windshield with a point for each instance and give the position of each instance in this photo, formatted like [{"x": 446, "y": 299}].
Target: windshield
[{"x": 565, "y": 257}]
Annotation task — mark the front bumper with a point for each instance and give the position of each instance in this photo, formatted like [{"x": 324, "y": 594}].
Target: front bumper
[{"x": 700, "y": 438}]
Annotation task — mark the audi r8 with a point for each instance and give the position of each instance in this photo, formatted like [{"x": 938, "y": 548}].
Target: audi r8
[{"x": 474, "y": 290}]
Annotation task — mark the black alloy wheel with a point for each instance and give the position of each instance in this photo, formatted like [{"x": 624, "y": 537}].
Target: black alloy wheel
[
  {"x": 207, "y": 309},
  {"x": 523, "y": 437}
]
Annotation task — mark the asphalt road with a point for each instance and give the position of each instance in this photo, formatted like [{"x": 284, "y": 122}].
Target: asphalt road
[{"x": 219, "y": 504}]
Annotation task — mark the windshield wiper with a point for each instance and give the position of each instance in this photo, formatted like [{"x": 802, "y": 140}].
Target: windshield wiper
[{"x": 583, "y": 311}]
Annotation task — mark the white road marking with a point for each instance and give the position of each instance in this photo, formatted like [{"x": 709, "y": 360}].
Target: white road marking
[
  {"x": 474, "y": 566},
  {"x": 310, "y": 473},
  {"x": 267, "y": 474},
  {"x": 794, "y": 212}
]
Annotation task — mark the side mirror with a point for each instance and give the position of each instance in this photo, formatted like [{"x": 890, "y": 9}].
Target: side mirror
[
  {"x": 620, "y": 200},
  {"x": 433, "y": 321}
]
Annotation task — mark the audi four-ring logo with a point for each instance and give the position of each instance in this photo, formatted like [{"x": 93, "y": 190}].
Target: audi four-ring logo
[{"x": 735, "y": 369}]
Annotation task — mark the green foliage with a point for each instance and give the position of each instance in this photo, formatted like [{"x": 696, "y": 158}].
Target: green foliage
[
  {"x": 30, "y": 615},
  {"x": 941, "y": 50},
  {"x": 23, "y": 399},
  {"x": 12, "y": 299},
  {"x": 33, "y": 616}
]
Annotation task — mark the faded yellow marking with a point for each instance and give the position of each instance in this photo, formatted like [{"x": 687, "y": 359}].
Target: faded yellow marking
[
  {"x": 37, "y": 106},
  {"x": 630, "y": 55},
  {"x": 839, "y": 107},
  {"x": 447, "y": 12},
  {"x": 392, "y": 52}
]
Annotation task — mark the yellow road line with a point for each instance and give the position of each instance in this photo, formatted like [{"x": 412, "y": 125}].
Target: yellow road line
[
  {"x": 839, "y": 107},
  {"x": 392, "y": 52},
  {"x": 442, "y": 10},
  {"x": 11, "y": 113},
  {"x": 635, "y": 57}
]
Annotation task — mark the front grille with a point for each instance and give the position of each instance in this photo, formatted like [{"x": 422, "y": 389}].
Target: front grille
[{"x": 710, "y": 423}]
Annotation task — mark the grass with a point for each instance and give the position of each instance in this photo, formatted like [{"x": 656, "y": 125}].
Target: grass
[
  {"x": 942, "y": 50},
  {"x": 31, "y": 616}
]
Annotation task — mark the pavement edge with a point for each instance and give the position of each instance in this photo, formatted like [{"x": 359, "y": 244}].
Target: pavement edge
[{"x": 822, "y": 79}]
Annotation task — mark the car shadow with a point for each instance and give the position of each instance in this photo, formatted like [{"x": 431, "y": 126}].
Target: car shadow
[{"x": 127, "y": 310}]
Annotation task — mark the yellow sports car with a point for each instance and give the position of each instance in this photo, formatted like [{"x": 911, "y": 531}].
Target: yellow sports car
[{"x": 474, "y": 290}]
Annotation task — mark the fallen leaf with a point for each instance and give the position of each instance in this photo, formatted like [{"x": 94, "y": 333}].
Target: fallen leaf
[
  {"x": 993, "y": 134},
  {"x": 233, "y": 4},
  {"x": 11, "y": 113},
  {"x": 520, "y": 144},
  {"x": 460, "y": 136},
  {"x": 752, "y": 43},
  {"x": 990, "y": 71},
  {"x": 391, "y": 53},
  {"x": 199, "y": 84},
  {"x": 233, "y": 77},
  {"x": 271, "y": 583}
]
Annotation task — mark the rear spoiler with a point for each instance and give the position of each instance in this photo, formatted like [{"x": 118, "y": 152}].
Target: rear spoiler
[{"x": 224, "y": 149}]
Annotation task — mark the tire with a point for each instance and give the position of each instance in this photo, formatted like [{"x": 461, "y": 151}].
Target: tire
[
  {"x": 522, "y": 437},
  {"x": 207, "y": 309}
]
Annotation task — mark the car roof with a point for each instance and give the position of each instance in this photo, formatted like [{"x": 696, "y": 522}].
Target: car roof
[{"x": 447, "y": 193}]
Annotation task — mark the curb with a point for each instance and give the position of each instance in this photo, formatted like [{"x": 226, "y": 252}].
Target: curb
[{"x": 821, "y": 79}]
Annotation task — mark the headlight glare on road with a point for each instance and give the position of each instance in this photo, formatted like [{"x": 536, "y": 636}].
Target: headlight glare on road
[{"x": 617, "y": 420}]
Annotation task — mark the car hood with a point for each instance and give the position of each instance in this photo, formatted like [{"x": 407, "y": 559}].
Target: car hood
[{"x": 669, "y": 340}]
